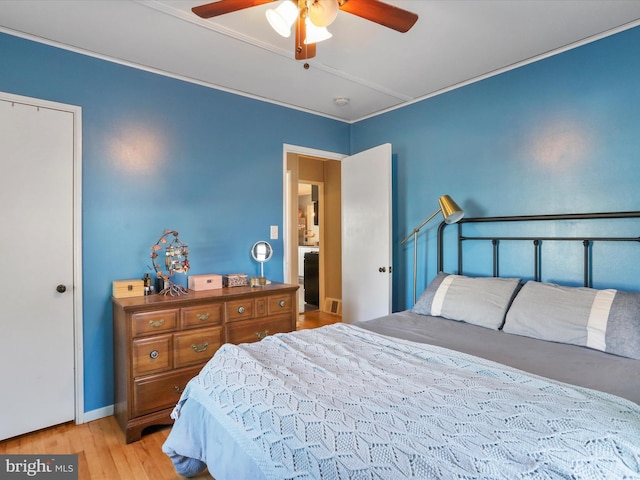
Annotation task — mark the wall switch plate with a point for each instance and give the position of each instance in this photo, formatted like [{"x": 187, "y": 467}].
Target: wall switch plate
[{"x": 274, "y": 232}]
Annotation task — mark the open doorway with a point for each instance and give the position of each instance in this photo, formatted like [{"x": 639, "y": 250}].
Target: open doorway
[
  {"x": 355, "y": 208},
  {"x": 312, "y": 225},
  {"x": 308, "y": 246}
]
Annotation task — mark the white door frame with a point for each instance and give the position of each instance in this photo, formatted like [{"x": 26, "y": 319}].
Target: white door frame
[
  {"x": 76, "y": 111},
  {"x": 286, "y": 200}
]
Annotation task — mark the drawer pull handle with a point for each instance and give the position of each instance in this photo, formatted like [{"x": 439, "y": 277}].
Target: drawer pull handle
[
  {"x": 154, "y": 354},
  {"x": 240, "y": 309},
  {"x": 178, "y": 388},
  {"x": 156, "y": 323},
  {"x": 261, "y": 335},
  {"x": 203, "y": 316},
  {"x": 199, "y": 348},
  {"x": 282, "y": 303}
]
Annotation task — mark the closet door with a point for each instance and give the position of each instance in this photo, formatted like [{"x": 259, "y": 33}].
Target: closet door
[{"x": 36, "y": 263}]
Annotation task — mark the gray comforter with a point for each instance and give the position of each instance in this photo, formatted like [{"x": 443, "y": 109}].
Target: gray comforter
[{"x": 566, "y": 363}]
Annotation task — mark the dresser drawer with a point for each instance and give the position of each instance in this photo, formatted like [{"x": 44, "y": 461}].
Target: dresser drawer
[
  {"x": 196, "y": 347},
  {"x": 280, "y": 304},
  {"x": 146, "y": 323},
  {"x": 157, "y": 392},
  {"x": 240, "y": 309},
  {"x": 202, "y": 315},
  {"x": 152, "y": 355},
  {"x": 254, "y": 330}
]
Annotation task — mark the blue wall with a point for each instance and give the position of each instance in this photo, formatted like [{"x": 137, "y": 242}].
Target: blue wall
[
  {"x": 559, "y": 135},
  {"x": 159, "y": 153}
]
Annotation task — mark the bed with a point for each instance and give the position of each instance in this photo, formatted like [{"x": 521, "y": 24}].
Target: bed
[{"x": 487, "y": 376}]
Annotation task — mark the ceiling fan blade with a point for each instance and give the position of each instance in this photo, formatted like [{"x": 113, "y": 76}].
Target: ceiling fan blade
[
  {"x": 303, "y": 50},
  {"x": 381, "y": 13},
  {"x": 225, "y": 6}
]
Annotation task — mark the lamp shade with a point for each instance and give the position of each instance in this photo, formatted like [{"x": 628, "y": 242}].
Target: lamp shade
[
  {"x": 316, "y": 34},
  {"x": 451, "y": 212},
  {"x": 283, "y": 17},
  {"x": 323, "y": 12}
]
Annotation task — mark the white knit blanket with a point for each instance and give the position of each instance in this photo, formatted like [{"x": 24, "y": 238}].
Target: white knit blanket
[{"x": 340, "y": 402}]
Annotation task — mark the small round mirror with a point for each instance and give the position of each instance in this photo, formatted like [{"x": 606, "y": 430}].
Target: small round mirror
[{"x": 261, "y": 252}]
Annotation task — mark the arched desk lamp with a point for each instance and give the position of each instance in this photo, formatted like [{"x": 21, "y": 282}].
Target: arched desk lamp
[{"x": 451, "y": 212}]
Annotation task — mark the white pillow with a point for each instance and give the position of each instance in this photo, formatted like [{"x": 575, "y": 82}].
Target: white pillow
[
  {"x": 481, "y": 301},
  {"x": 607, "y": 320}
]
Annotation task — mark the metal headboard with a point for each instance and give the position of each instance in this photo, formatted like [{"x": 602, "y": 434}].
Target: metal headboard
[{"x": 536, "y": 241}]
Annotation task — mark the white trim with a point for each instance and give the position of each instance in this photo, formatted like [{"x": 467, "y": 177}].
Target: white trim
[
  {"x": 438, "y": 299},
  {"x": 311, "y": 152},
  {"x": 406, "y": 99},
  {"x": 286, "y": 225},
  {"x": 598, "y": 319},
  {"x": 98, "y": 413},
  {"x": 165, "y": 73},
  {"x": 77, "y": 262},
  {"x": 286, "y": 200},
  {"x": 319, "y": 65},
  {"x": 286, "y": 53},
  {"x": 508, "y": 68},
  {"x": 76, "y": 111}
]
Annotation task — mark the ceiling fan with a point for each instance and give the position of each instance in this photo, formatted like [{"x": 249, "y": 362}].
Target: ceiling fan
[{"x": 311, "y": 17}]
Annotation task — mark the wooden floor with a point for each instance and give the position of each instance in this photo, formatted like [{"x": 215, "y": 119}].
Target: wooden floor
[
  {"x": 316, "y": 318},
  {"x": 102, "y": 453}
]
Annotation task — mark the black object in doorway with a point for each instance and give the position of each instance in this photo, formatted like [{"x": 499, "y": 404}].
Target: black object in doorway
[{"x": 311, "y": 283}]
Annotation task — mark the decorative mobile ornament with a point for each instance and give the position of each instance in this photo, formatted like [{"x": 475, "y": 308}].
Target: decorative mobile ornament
[{"x": 176, "y": 256}]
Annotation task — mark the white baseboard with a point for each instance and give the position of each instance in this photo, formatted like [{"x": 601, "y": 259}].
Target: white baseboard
[{"x": 97, "y": 414}]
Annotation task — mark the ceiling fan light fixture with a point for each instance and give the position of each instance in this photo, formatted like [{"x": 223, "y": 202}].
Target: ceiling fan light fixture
[
  {"x": 315, "y": 34},
  {"x": 322, "y": 12},
  {"x": 283, "y": 17}
]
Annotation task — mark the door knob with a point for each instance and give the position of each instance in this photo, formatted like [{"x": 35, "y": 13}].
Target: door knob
[
  {"x": 382, "y": 269},
  {"x": 61, "y": 288}
]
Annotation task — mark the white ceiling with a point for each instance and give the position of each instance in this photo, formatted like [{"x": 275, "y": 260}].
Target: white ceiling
[{"x": 454, "y": 42}]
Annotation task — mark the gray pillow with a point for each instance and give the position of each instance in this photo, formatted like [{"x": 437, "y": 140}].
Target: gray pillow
[
  {"x": 482, "y": 301},
  {"x": 607, "y": 320}
]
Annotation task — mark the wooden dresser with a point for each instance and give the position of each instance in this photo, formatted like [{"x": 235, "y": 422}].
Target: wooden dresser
[{"x": 161, "y": 342}]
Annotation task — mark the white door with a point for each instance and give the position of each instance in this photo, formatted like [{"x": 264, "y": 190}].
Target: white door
[
  {"x": 366, "y": 234},
  {"x": 37, "y": 293}
]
